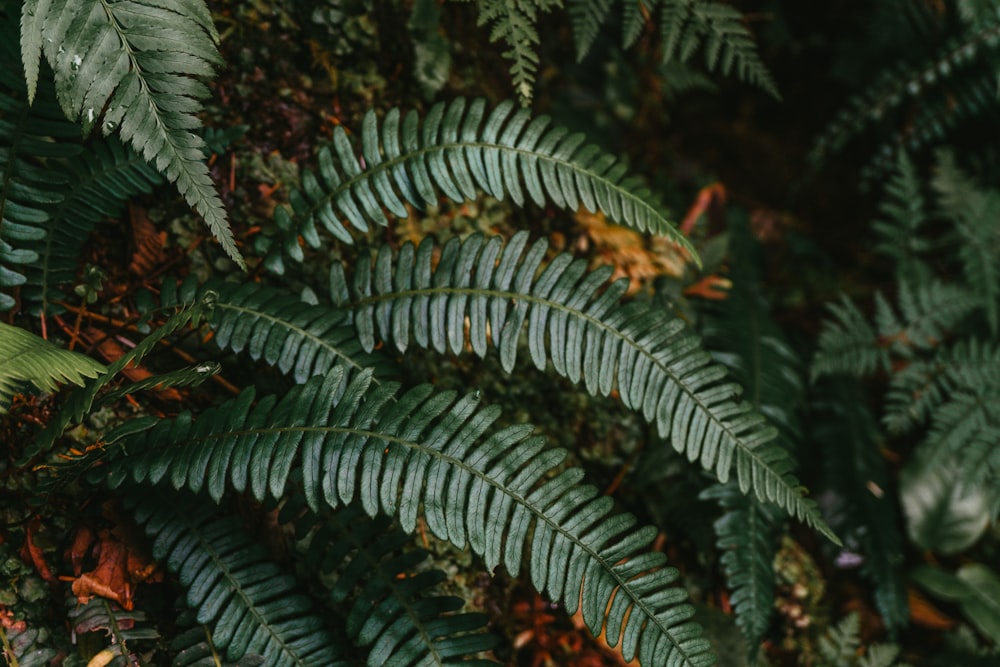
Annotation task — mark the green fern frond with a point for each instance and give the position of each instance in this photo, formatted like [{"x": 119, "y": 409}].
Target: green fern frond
[
  {"x": 396, "y": 610},
  {"x": 26, "y": 358},
  {"x": 81, "y": 402},
  {"x": 848, "y": 344},
  {"x": 976, "y": 215},
  {"x": 250, "y": 604},
  {"x": 271, "y": 325},
  {"x": 352, "y": 442},
  {"x": 29, "y": 136},
  {"x": 100, "y": 181},
  {"x": 587, "y": 17},
  {"x": 632, "y": 21},
  {"x": 24, "y": 647},
  {"x": 194, "y": 647},
  {"x": 841, "y": 647},
  {"x": 717, "y": 28},
  {"x": 123, "y": 628},
  {"x": 514, "y": 23},
  {"x": 927, "y": 312},
  {"x": 898, "y": 232},
  {"x": 137, "y": 65},
  {"x": 746, "y": 536},
  {"x": 866, "y": 513},
  {"x": 459, "y": 149},
  {"x": 574, "y": 319}
]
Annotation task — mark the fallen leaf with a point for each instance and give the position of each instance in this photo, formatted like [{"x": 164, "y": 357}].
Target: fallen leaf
[
  {"x": 708, "y": 195},
  {"x": 713, "y": 287},
  {"x": 149, "y": 242},
  {"x": 119, "y": 569},
  {"x": 32, "y": 553}
]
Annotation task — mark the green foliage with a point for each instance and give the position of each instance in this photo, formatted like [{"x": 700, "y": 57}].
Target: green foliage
[
  {"x": 425, "y": 454},
  {"x": 575, "y": 322},
  {"x": 457, "y": 150},
  {"x": 840, "y": 648},
  {"x": 124, "y": 629},
  {"x": 974, "y": 587},
  {"x": 26, "y": 358},
  {"x": 22, "y": 648},
  {"x": 134, "y": 68}
]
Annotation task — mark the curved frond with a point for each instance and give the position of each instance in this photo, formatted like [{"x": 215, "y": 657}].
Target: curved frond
[
  {"x": 29, "y": 135},
  {"x": 848, "y": 344},
  {"x": 100, "y": 181},
  {"x": 137, "y": 65},
  {"x": 21, "y": 646},
  {"x": 26, "y": 358},
  {"x": 123, "y": 629},
  {"x": 927, "y": 312},
  {"x": 300, "y": 339},
  {"x": 250, "y": 604},
  {"x": 459, "y": 149},
  {"x": 395, "y": 608},
  {"x": 746, "y": 535},
  {"x": 574, "y": 320},
  {"x": 503, "y": 493},
  {"x": 899, "y": 231}
]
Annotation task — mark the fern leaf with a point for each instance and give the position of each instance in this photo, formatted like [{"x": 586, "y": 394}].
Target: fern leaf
[
  {"x": 929, "y": 311},
  {"x": 838, "y": 647},
  {"x": 271, "y": 325},
  {"x": 352, "y": 442},
  {"x": 718, "y": 29},
  {"x": 26, "y": 358},
  {"x": 138, "y": 64},
  {"x": 976, "y": 215},
  {"x": 514, "y": 23},
  {"x": 250, "y": 604},
  {"x": 460, "y": 148},
  {"x": 22, "y": 646},
  {"x": 29, "y": 135},
  {"x": 100, "y": 181},
  {"x": 587, "y": 17},
  {"x": 746, "y": 534},
  {"x": 867, "y": 516},
  {"x": 574, "y": 320},
  {"x": 898, "y": 233},
  {"x": 123, "y": 627},
  {"x": 848, "y": 344},
  {"x": 80, "y": 402},
  {"x": 632, "y": 21},
  {"x": 396, "y": 609}
]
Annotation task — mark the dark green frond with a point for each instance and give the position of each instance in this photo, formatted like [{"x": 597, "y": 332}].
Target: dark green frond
[
  {"x": 26, "y": 358},
  {"x": 515, "y": 24},
  {"x": 429, "y": 454},
  {"x": 975, "y": 212},
  {"x": 927, "y": 312},
  {"x": 866, "y": 512},
  {"x": 839, "y": 647},
  {"x": 136, "y": 68},
  {"x": 746, "y": 535},
  {"x": 898, "y": 232},
  {"x": 718, "y": 29},
  {"x": 24, "y": 647},
  {"x": 100, "y": 181},
  {"x": 300, "y": 339},
  {"x": 460, "y": 149},
  {"x": 124, "y": 629},
  {"x": 248, "y": 601},
  {"x": 29, "y": 135},
  {"x": 573, "y": 318},
  {"x": 81, "y": 402},
  {"x": 395, "y": 609},
  {"x": 194, "y": 646},
  {"x": 848, "y": 344},
  {"x": 587, "y": 17}
]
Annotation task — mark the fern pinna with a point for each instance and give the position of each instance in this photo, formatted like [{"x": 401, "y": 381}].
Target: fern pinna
[
  {"x": 432, "y": 455},
  {"x": 573, "y": 319}
]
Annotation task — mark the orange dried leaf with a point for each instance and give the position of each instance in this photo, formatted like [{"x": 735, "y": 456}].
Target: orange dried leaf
[
  {"x": 926, "y": 615},
  {"x": 149, "y": 243},
  {"x": 32, "y": 553},
  {"x": 716, "y": 192},
  {"x": 713, "y": 287}
]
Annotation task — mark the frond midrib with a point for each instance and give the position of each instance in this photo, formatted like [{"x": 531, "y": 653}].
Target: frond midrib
[
  {"x": 221, "y": 305},
  {"x": 622, "y": 584},
  {"x": 388, "y": 163},
  {"x": 519, "y": 296},
  {"x": 237, "y": 589}
]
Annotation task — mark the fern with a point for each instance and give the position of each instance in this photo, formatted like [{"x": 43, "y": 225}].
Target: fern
[
  {"x": 271, "y": 325},
  {"x": 21, "y": 646},
  {"x": 351, "y": 442},
  {"x": 928, "y": 310},
  {"x": 29, "y": 135},
  {"x": 718, "y": 28},
  {"x": 848, "y": 344},
  {"x": 123, "y": 628},
  {"x": 657, "y": 367},
  {"x": 26, "y": 358},
  {"x": 459, "y": 149},
  {"x": 976, "y": 216},
  {"x": 249, "y": 603},
  {"x": 899, "y": 232},
  {"x": 396, "y": 610},
  {"x": 839, "y": 647},
  {"x": 136, "y": 64},
  {"x": 194, "y": 647},
  {"x": 587, "y": 17},
  {"x": 866, "y": 513},
  {"x": 101, "y": 180}
]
